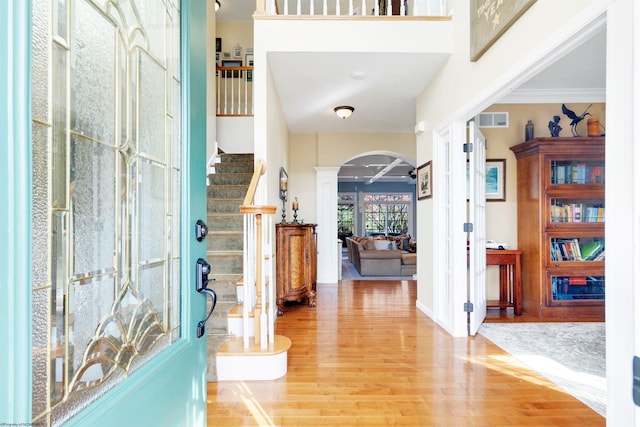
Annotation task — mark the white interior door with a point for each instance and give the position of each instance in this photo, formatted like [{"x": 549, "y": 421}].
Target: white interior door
[{"x": 477, "y": 238}]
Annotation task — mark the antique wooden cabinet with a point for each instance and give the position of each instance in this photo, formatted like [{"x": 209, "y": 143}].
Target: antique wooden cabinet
[
  {"x": 561, "y": 226},
  {"x": 296, "y": 264}
]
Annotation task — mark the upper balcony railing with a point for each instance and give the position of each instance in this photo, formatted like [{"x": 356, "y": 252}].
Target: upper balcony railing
[
  {"x": 367, "y": 8},
  {"x": 234, "y": 89},
  {"x": 234, "y": 84}
]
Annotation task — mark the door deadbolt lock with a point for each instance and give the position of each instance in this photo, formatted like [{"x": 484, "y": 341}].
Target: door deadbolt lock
[{"x": 201, "y": 230}]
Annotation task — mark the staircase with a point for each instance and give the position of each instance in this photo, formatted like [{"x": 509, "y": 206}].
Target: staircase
[
  {"x": 230, "y": 356},
  {"x": 225, "y": 193}
]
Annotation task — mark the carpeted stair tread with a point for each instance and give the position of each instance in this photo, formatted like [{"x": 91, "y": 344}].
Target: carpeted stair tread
[
  {"x": 230, "y": 178},
  {"x": 225, "y": 193}
]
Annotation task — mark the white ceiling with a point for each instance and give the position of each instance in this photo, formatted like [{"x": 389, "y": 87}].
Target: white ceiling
[{"x": 310, "y": 85}]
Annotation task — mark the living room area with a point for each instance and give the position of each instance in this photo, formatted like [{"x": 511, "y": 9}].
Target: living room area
[{"x": 376, "y": 211}]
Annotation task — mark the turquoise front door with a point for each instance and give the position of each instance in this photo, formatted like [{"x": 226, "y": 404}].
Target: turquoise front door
[{"x": 102, "y": 172}]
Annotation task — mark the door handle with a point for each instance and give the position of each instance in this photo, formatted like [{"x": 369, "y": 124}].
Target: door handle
[{"x": 203, "y": 268}]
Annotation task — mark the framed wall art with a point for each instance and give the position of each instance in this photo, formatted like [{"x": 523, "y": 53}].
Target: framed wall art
[
  {"x": 490, "y": 19},
  {"x": 424, "y": 181},
  {"x": 495, "y": 190},
  {"x": 231, "y": 73}
]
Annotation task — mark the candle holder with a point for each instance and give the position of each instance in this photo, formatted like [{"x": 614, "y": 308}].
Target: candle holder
[
  {"x": 283, "y": 197},
  {"x": 294, "y": 208},
  {"x": 284, "y": 185}
]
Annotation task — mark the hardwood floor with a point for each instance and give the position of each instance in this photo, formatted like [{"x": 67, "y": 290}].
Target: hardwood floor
[{"x": 365, "y": 356}]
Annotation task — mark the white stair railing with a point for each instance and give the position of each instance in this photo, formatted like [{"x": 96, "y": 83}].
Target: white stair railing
[
  {"x": 258, "y": 266},
  {"x": 234, "y": 91},
  {"x": 366, "y": 7}
]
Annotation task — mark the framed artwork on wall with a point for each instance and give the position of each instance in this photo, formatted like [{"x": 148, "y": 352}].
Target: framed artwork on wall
[
  {"x": 496, "y": 183},
  {"x": 424, "y": 181},
  {"x": 490, "y": 20},
  {"x": 232, "y": 73}
]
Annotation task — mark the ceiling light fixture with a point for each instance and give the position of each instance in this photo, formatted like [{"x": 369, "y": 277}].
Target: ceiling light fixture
[
  {"x": 217, "y": 5},
  {"x": 344, "y": 111}
]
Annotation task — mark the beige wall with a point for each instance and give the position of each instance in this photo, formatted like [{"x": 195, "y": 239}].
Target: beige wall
[
  {"x": 235, "y": 34},
  {"x": 333, "y": 149},
  {"x": 303, "y": 152}
]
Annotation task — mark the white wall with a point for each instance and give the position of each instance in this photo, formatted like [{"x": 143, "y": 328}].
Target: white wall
[{"x": 235, "y": 134}]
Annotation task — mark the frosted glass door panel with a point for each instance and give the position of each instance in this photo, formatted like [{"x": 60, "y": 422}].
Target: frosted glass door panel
[{"x": 106, "y": 184}]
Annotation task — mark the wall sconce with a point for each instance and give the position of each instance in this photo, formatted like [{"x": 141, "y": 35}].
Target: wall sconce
[{"x": 343, "y": 111}]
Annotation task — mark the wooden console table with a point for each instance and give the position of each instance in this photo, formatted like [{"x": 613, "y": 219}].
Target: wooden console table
[{"x": 510, "y": 279}]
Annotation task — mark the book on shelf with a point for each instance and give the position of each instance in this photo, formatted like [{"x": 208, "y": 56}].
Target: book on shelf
[
  {"x": 589, "y": 250},
  {"x": 577, "y": 280}
]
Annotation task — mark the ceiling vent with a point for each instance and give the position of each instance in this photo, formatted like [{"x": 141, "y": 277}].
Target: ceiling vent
[{"x": 493, "y": 120}]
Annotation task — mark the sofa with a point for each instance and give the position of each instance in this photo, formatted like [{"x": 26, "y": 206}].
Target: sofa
[{"x": 379, "y": 257}]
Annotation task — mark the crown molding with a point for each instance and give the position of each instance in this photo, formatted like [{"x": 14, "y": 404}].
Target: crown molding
[{"x": 548, "y": 96}]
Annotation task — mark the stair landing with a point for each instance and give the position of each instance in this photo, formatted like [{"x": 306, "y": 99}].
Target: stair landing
[{"x": 235, "y": 363}]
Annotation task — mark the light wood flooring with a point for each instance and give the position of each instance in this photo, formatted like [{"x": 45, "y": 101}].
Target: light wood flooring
[{"x": 366, "y": 356}]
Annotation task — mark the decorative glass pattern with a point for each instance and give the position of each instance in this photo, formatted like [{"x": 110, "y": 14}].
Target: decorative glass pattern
[{"x": 106, "y": 211}]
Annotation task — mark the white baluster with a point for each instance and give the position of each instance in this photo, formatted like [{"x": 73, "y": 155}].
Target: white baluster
[
  {"x": 363, "y": 10},
  {"x": 218, "y": 78},
  {"x": 350, "y": 7},
  {"x": 286, "y": 7},
  {"x": 324, "y": 8},
  {"x": 272, "y": 283},
  {"x": 337, "y": 7},
  {"x": 389, "y": 8},
  {"x": 225, "y": 74},
  {"x": 299, "y": 9},
  {"x": 264, "y": 330},
  {"x": 241, "y": 86},
  {"x": 245, "y": 282},
  {"x": 376, "y": 8},
  {"x": 311, "y": 7},
  {"x": 402, "y": 8}
]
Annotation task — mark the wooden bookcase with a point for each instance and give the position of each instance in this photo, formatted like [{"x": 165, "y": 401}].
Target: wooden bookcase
[
  {"x": 296, "y": 264},
  {"x": 561, "y": 226}
]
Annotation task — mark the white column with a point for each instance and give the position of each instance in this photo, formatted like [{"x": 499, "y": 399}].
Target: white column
[{"x": 327, "y": 219}]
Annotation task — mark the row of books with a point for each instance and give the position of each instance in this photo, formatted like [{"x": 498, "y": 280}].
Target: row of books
[
  {"x": 577, "y": 250},
  {"x": 579, "y": 173},
  {"x": 577, "y": 212},
  {"x": 578, "y": 287}
]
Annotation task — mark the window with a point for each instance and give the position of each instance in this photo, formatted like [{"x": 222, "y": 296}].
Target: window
[
  {"x": 346, "y": 215},
  {"x": 387, "y": 213}
]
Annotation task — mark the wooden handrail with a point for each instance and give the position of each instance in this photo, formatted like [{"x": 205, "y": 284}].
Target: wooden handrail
[{"x": 258, "y": 170}]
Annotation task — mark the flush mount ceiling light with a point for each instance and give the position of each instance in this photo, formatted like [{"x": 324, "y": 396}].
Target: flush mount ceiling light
[
  {"x": 343, "y": 111},
  {"x": 217, "y": 5}
]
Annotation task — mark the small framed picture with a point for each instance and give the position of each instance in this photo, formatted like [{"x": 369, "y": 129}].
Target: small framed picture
[
  {"x": 248, "y": 59},
  {"x": 218, "y": 44},
  {"x": 226, "y": 55},
  {"x": 424, "y": 181},
  {"x": 237, "y": 52},
  {"x": 231, "y": 73},
  {"x": 495, "y": 190}
]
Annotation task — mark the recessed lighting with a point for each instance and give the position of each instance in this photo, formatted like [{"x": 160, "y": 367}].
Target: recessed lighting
[{"x": 358, "y": 75}]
